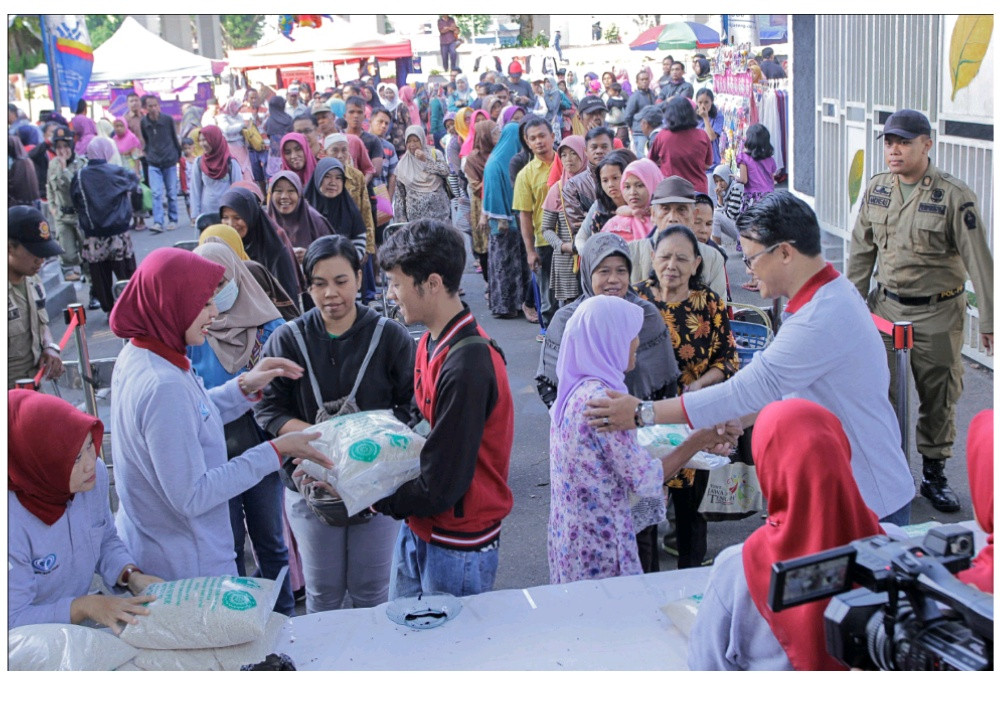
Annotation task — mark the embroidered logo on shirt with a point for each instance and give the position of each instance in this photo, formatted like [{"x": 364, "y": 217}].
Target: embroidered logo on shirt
[
  {"x": 878, "y": 201},
  {"x": 204, "y": 410},
  {"x": 883, "y": 190},
  {"x": 937, "y": 195},
  {"x": 45, "y": 565},
  {"x": 932, "y": 208}
]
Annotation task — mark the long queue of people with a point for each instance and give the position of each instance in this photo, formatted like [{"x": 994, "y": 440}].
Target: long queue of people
[{"x": 238, "y": 349}]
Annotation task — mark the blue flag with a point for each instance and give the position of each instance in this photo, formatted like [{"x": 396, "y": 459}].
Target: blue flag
[{"x": 69, "y": 56}]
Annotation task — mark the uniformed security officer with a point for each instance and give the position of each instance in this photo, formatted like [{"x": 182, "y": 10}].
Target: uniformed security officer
[
  {"x": 29, "y": 343},
  {"x": 923, "y": 228},
  {"x": 62, "y": 168}
]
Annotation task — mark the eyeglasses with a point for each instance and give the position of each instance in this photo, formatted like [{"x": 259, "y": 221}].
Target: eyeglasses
[{"x": 748, "y": 261}]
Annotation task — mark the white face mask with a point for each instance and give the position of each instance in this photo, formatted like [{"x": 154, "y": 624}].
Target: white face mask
[{"x": 226, "y": 297}]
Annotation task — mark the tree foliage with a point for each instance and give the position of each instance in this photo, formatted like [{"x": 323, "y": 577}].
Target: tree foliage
[
  {"x": 473, "y": 25},
  {"x": 24, "y": 44},
  {"x": 101, "y": 27},
  {"x": 242, "y": 31}
]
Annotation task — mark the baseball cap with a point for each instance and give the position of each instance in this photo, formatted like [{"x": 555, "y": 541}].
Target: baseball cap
[
  {"x": 673, "y": 189},
  {"x": 27, "y": 226},
  {"x": 591, "y": 103},
  {"x": 652, "y": 115},
  {"x": 320, "y": 108},
  {"x": 62, "y": 134},
  {"x": 907, "y": 124},
  {"x": 515, "y": 68},
  {"x": 292, "y": 90}
]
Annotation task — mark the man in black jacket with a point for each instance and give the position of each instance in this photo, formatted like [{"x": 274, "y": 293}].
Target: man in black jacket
[{"x": 163, "y": 150}]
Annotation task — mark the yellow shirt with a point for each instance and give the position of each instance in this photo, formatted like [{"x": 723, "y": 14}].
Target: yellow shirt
[{"x": 530, "y": 190}]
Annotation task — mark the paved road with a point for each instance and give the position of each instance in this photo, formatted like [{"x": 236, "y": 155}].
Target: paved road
[{"x": 523, "y": 560}]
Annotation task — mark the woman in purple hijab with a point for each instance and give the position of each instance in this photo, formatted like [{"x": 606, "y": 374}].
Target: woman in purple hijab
[
  {"x": 289, "y": 209},
  {"x": 83, "y": 128}
]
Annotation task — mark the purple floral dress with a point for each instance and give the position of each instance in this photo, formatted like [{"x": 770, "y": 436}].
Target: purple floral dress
[{"x": 591, "y": 528}]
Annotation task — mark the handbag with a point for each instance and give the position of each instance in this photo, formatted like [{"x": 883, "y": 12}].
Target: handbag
[
  {"x": 328, "y": 508},
  {"x": 732, "y": 493},
  {"x": 383, "y": 205},
  {"x": 253, "y": 138}
]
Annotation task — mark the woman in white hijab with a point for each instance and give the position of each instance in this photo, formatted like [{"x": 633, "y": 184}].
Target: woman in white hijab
[{"x": 421, "y": 186}]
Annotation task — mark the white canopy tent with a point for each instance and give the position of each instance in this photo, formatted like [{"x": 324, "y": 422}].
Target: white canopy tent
[{"x": 135, "y": 53}]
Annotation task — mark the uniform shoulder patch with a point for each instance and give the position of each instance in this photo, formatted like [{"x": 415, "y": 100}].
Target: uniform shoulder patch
[
  {"x": 966, "y": 206},
  {"x": 937, "y": 195},
  {"x": 932, "y": 208},
  {"x": 970, "y": 219}
]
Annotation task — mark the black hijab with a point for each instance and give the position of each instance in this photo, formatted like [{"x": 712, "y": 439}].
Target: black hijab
[
  {"x": 262, "y": 241},
  {"x": 340, "y": 211}
]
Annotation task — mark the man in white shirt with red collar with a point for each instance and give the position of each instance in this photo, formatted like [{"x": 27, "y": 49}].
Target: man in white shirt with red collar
[{"x": 827, "y": 350}]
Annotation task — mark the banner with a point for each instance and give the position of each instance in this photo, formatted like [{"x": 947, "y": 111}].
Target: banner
[{"x": 69, "y": 56}]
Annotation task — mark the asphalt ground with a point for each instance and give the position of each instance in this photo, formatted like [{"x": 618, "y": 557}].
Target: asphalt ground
[{"x": 523, "y": 560}]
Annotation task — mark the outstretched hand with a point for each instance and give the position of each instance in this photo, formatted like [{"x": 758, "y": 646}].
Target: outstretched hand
[
  {"x": 616, "y": 412},
  {"x": 268, "y": 369}
]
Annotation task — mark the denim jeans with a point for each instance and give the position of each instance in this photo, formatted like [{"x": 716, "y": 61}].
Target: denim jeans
[
  {"x": 449, "y": 56},
  {"x": 424, "y": 568},
  {"x": 158, "y": 178},
  {"x": 639, "y": 145},
  {"x": 899, "y": 518},
  {"x": 260, "y": 509},
  {"x": 367, "y": 282}
]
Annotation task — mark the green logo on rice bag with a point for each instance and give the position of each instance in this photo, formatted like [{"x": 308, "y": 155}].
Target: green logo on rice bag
[
  {"x": 675, "y": 438},
  {"x": 238, "y": 600},
  {"x": 365, "y": 451},
  {"x": 397, "y": 441},
  {"x": 246, "y": 582}
]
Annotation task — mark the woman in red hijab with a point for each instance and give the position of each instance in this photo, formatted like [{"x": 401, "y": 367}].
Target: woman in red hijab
[
  {"x": 214, "y": 172},
  {"x": 979, "y": 458},
  {"x": 61, "y": 531},
  {"x": 803, "y": 463},
  {"x": 173, "y": 477}
]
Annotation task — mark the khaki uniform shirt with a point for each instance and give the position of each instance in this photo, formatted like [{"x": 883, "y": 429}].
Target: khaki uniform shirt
[
  {"x": 57, "y": 188},
  {"x": 26, "y": 319},
  {"x": 929, "y": 245}
]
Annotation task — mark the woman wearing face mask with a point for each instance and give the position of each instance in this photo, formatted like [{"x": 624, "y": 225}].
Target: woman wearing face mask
[
  {"x": 706, "y": 355},
  {"x": 60, "y": 528},
  {"x": 336, "y": 336},
  {"x": 633, "y": 222},
  {"x": 235, "y": 338},
  {"x": 609, "y": 195},
  {"x": 604, "y": 270},
  {"x": 555, "y": 228},
  {"x": 327, "y": 194},
  {"x": 171, "y": 469}
]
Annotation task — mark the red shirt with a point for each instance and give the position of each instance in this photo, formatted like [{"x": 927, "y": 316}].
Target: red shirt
[{"x": 685, "y": 153}]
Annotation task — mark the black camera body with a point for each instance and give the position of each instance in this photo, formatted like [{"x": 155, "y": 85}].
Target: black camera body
[{"x": 909, "y": 612}]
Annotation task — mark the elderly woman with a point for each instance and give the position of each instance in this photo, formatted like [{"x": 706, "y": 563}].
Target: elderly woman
[
  {"x": 232, "y": 125},
  {"x": 421, "y": 181},
  {"x": 706, "y": 355},
  {"x": 60, "y": 528},
  {"x": 235, "y": 339},
  {"x": 327, "y": 193},
  {"x": 102, "y": 197},
  {"x": 174, "y": 515},
  {"x": 803, "y": 460},
  {"x": 605, "y": 267},
  {"x": 338, "y": 146}
]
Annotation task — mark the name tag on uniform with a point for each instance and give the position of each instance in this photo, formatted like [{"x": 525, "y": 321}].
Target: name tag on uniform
[
  {"x": 39, "y": 295},
  {"x": 13, "y": 312},
  {"x": 878, "y": 201},
  {"x": 932, "y": 208},
  {"x": 883, "y": 190}
]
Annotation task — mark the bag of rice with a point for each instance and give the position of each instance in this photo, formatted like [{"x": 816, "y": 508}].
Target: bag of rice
[
  {"x": 51, "y": 647},
  {"x": 660, "y": 441},
  {"x": 203, "y": 612},
  {"x": 681, "y": 612},
  {"x": 373, "y": 453},
  {"x": 227, "y": 659}
]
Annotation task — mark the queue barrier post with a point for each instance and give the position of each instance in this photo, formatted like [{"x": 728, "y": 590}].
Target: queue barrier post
[{"x": 901, "y": 333}]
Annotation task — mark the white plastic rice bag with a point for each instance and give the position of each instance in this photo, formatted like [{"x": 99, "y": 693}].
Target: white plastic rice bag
[
  {"x": 660, "y": 441},
  {"x": 372, "y": 452},
  {"x": 682, "y": 613},
  {"x": 49, "y": 647},
  {"x": 203, "y": 612},
  {"x": 228, "y": 659}
]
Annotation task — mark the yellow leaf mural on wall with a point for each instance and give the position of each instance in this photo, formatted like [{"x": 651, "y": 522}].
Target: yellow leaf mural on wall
[
  {"x": 855, "y": 175},
  {"x": 969, "y": 41}
]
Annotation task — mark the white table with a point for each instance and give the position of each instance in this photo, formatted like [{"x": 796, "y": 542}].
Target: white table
[{"x": 610, "y": 624}]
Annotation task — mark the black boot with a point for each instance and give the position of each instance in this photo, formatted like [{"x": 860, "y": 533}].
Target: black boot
[{"x": 935, "y": 487}]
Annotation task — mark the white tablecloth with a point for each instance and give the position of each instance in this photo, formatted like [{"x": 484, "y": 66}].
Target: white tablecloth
[{"x": 610, "y": 624}]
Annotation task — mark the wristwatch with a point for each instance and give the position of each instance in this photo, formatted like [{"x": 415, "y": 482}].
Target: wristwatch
[
  {"x": 644, "y": 414},
  {"x": 53, "y": 347}
]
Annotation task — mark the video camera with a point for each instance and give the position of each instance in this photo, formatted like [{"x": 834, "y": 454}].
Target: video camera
[{"x": 909, "y": 612}]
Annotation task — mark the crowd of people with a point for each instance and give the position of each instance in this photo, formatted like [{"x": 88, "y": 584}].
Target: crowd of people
[{"x": 601, "y": 213}]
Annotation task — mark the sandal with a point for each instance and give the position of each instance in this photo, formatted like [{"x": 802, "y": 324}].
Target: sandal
[{"x": 530, "y": 314}]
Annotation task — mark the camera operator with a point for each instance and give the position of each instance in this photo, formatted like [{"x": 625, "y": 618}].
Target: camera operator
[
  {"x": 803, "y": 460},
  {"x": 979, "y": 458}
]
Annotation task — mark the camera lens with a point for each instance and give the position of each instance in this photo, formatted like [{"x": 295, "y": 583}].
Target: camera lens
[{"x": 961, "y": 546}]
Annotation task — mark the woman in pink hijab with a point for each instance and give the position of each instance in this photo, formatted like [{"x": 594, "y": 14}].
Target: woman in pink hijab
[
  {"x": 556, "y": 230},
  {"x": 639, "y": 180},
  {"x": 406, "y": 94},
  {"x": 232, "y": 125}
]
